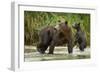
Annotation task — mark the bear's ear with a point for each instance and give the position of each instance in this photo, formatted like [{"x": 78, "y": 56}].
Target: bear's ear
[{"x": 66, "y": 22}]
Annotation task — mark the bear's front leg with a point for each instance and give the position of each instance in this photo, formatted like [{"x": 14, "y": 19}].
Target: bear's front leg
[
  {"x": 81, "y": 47},
  {"x": 70, "y": 47},
  {"x": 51, "y": 48}
]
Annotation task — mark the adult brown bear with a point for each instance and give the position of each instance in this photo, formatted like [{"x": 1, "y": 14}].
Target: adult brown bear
[{"x": 51, "y": 37}]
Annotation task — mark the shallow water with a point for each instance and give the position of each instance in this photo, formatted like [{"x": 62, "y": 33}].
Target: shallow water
[{"x": 30, "y": 54}]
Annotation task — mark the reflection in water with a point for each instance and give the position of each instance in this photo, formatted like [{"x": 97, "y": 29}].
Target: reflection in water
[
  {"x": 47, "y": 57},
  {"x": 82, "y": 56}
]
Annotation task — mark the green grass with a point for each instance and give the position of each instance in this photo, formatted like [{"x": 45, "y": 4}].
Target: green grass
[{"x": 34, "y": 21}]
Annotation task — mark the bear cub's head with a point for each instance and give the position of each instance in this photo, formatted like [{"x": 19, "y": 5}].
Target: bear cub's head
[{"x": 76, "y": 26}]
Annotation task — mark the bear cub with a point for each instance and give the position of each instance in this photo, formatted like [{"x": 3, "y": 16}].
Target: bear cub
[{"x": 80, "y": 37}]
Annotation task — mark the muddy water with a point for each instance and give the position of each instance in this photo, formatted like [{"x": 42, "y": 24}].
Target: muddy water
[{"x": 60, "y": 53}]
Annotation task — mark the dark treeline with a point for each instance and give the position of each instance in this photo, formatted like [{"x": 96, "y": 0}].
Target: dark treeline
[{"x": 34, "y": 21}]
